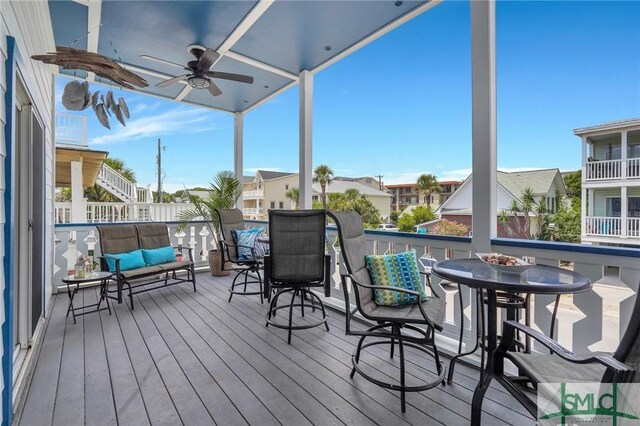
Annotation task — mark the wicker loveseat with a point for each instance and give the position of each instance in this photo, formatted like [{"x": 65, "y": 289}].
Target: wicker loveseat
[{"x": 121, "y": 239}]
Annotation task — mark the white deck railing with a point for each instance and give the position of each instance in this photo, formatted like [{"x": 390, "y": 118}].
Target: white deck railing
[
  {"x": 599, "y": 170},
  {"x": 633, "y": 167},
  {"x": 603, "y": 226},
  {"x": 117, "y": 184},
  {"x": 256, "y": 193},
  {"x": 251, "y": 211},
  {"x": 71, "y": 129},
  {"x": 582, "y": 318},
  {"x": 123, "y": 212}
]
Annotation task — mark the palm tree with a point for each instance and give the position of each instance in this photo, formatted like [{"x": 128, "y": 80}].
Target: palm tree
[
  {"x": 294, "y": 195},
  {"x": 324, "y": 176},
  {"x": 223, "y": 193},
  {"x": 99, "y": 194},
  {"x": 428, "y": 183}
]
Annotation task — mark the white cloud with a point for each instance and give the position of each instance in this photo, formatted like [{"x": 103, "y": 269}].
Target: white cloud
[
  {"x": 140, "y": 107},
  {"x": 178, "y": 120}
]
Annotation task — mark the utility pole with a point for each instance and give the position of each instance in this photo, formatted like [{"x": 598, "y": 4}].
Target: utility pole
[
  {"x": 159, "y": 164},
  {"x": 380, "y": 181}
]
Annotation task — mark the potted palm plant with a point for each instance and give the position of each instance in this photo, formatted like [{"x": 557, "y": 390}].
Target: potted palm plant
[{"x": 223, "y": 193}]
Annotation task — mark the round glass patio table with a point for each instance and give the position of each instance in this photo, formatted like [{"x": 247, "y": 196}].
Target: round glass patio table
[{"x": 537, "y": 279}]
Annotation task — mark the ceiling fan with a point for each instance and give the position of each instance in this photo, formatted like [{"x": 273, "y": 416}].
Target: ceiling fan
[{"x": 199, "y": 76}]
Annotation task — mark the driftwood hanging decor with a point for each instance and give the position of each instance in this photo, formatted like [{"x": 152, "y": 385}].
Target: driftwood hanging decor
[{"x": 70, "y": 58}]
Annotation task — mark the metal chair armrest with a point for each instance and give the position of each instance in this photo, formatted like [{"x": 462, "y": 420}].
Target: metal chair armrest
[
  {"x": 399, "y": 290},
  {"x": 508, "y": 332}
]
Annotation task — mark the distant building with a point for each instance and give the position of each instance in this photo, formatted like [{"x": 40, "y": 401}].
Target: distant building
[
  {"x": 404, "y": 195},
  {"x": 546, "y": 186},
  {"x": 611, "y": 182},
  {"x": 267, "y": 191}
]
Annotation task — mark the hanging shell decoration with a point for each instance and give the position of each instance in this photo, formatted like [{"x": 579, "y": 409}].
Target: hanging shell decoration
[{"x": 76, "y": 97}]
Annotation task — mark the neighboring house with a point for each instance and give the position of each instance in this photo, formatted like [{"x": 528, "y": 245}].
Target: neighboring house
[
  {"x": 546, "y": 186},
  {"x": 364, "y": 180},
  {"x": 379, "y": 199},
  {"x": 267, "y": 191},
  {"x": 611, "y": 182},
  {"x": 404, "y": 195}
]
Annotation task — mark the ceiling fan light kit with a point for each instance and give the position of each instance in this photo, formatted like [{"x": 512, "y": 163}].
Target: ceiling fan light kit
[{"x": 200, "y": 76}]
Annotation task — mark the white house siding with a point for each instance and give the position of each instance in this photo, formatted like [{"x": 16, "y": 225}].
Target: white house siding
[
  {"x": 600, "y": 198},
  {"x": 461, "y": 199},
  {"x": 29, "y": 23},
  {"x": 382, "y": 204}
]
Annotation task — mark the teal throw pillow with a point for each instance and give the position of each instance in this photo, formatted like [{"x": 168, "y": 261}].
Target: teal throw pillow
[
  {"x": 395, "y": 270},
  {"x": 247, "y": 239},
  {"x": 158, "y": 256},
  {"x": 129, "y": 260}
]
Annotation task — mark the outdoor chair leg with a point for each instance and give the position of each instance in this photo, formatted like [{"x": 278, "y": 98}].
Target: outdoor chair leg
[
  {"x": 302, "y": 297},
  {"x": 260, "y": 284},
  {"x": 357, "y": 356},
  {"x": 393, "y": 347},
  {"x": 436, "y": 356},
  {"x": 130, "y": 296},
  {"x": 403, "y": 402},
  {"x": 293, "y": 299}
]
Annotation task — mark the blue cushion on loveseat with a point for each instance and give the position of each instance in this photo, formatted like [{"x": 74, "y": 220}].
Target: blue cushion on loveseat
[
  {"x": 158, "y": 256},
  {"x": 128, "y": 260}
]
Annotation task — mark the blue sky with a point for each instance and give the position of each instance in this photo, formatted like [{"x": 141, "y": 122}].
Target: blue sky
[{"x": 401, "y": 106}]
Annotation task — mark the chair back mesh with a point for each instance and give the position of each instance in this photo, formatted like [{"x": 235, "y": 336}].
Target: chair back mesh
[
  {"x": 353, "y": 246},
  {"x": 117, "y": 239},
  {"x": 628, "y": 350},
  {"x": 153, "y": 235},
  {"x": 230, "y": 219},
  {"x": 297, "y": 245}
]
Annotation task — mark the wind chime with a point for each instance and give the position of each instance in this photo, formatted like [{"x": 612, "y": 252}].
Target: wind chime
[{"x": 76, "y": 96}]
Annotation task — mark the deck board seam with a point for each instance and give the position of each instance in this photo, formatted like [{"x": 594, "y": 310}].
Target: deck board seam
[
  {"x": 280, "y": 338},
  {"x": 348, "y": 382}
]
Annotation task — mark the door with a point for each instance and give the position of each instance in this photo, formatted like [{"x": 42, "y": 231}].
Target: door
[{"x": 29, "y": 187}]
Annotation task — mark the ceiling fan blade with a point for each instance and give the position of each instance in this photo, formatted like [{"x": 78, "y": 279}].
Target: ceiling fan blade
[
  {"x": 230, "y": 76},
  {"x": 162, "y": 61},
  {"x": 172, "y": 80},
  {"x": 214, "y": 90},
  {"x": 207, "y": 59}
]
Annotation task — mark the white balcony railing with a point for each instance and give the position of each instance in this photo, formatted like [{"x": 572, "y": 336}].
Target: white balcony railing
[
  {"x": 603, "y": 226},
  {"x": 252, "y": 211},
  {"x": 71, "y": 129},
  {"x": 633, "y": 227},
  {"x": 599, "y": 170},
  {"x": 123, "y": 212},
  {"x": 582, "y": 317},
  {"x": 633, "y": 167},
  {"x": 253, "y": 194}
]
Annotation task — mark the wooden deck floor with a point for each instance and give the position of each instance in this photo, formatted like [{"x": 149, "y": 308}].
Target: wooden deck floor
[{"x": 193, "y": 358}]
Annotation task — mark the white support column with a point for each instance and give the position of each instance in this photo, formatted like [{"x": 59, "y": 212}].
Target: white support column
[
  {"x": 238, "y": 127},
  {"x": 623, "y": 154},
  {"x": 583, "y": 213},
  {"x": 624, "y": 210},
  {"x": 78, "y": 202},
  {"x": 591, "y": 202},
  {"x": 306, "y": 143},
  {"x": 483, "y": 75}
]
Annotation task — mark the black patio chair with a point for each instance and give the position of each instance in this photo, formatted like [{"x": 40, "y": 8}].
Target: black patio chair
[
  {"x": 230, "y": 220},
  {"x": 563, "y": 366},
  {"x": 422, "y": 319},
  {"x": 296, "y": 263}
]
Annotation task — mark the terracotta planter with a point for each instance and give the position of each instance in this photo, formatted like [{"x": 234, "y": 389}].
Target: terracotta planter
[{"x": 215, "y": 264}]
